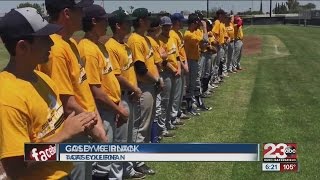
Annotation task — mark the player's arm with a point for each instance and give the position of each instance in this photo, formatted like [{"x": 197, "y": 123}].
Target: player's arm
[
  {"x": 139, "y": 63},
  {"x": 60, "y": 74}
]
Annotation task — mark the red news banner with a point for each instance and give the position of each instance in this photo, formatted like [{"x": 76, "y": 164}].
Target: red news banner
[{"x": 280, "y": 157}]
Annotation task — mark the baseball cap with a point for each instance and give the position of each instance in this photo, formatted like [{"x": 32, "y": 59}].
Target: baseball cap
[
  {"x": 120, "y": 16},
  {"x": 165, "y": 20},
  {"x": 155, "y": 21},
  {"x": 193, "y": 18},
  {"x": 141, "y": 13},
  {"x": 200, "y": 15},
  {"x": 24, "y": 22},
  {"x": 95, "y": 11},
  {"x": 178, "y": 17},
  {"x": 220, "y": 12},
  {"x": 57, "y": 5}
]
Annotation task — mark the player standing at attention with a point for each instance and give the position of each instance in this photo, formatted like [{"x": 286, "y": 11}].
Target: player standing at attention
[
  {"x": 230, "y": 44},
  {"x": 121, "y": 58},
  {"x": 160, "y": 56},
  {"x": 238, "y": 43},
  {"x": 104, "y": 85},
  {"x": 219, "y": 32},
  {"x": 148, "y": 80},
  {"x": 67, "y": 70},
  {"x": 29, "y": 99},
  {"x": 175, "y": 33},
  {"x": 170, "y": 74},
  {"x": 192, "y": 46}
]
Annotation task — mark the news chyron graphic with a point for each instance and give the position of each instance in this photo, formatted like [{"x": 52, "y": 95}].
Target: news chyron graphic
[
  {"x": 143, "y": 152},
  {"x": 280, "y": 157},
  {"x": 40, "y": 152}
]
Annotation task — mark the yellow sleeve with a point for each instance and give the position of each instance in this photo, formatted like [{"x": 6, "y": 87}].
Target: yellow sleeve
[
  {"x": 157, "y": 56},
  {"x": 114, "y": 58},
  {"x": 241, "y": 33},
  {"x": 137, "y": 52},
  {"x": 92, "y": 69},
  {"x": 193, "y": 37},
  {"x": 13, "y": 133},
  {"x": 172, "y": 56},
  {"x": 60, "y": 74},
  {"x": 216, "y": 28}
]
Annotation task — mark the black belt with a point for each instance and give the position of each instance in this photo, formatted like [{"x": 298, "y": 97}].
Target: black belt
[
  {"x": 232, "y": 41},
  {"x": 126, "y": 92}
]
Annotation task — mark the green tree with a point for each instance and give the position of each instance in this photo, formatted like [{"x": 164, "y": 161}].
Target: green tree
[
  {"x": 308, "y": 6},
  {"x": 34, "y": 5},
  {"x": 293, "y": 6}
]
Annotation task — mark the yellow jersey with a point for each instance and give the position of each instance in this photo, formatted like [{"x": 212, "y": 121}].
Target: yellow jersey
[
  {"x": 99, "y": 68},
  {"x": 30, "y": 112},
  {"x": 142, "y": 51},
  {"x": 121, "y": 59},
  {"x": 170, "y": 47},
  {"x": 67, "y": 70},
  {"x": 191, "y": 44}
]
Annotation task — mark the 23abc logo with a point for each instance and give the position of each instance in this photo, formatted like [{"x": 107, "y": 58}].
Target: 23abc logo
[{"x": 281, "y": 150}]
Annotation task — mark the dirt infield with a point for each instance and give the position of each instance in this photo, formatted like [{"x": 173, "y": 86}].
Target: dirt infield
[{"x": 252, "y": 45}]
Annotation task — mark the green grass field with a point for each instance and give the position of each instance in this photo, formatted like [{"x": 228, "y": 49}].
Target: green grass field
[{"x": 276, "y": 99}]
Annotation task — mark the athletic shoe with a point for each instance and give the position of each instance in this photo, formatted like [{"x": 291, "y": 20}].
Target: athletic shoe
[
  {"x": 184, "y": 116},
  {"x": 178, "y": 123},
  {"x": 145, "y": 170},
  {"x": 204, "y": 108},
  {"x": 136, "y": 175},
  {"x": 172, "y": 127},
  {"x": 167, "y": 134}
]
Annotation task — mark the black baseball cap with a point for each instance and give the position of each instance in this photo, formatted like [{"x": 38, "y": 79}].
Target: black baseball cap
[
  {"x": 58, "y": 5},
  {"x": 200, "y": 15},
  {"x": 141, "y": 13},
  {"x": 120, "y": 16},
  {"x": 25, "y": 22},
  {"x": 220, "y": 12},
  {"x": 155, "y": 21},
  {"x": 193, "y": 18},
  {"x": 95, "y": 11}
]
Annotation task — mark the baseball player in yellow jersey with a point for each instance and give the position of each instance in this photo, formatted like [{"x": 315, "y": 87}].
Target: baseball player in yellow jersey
[
  {"x": 29, "y": 99},
  {"x": 148, "y": 80},
  {"x": 104, "y": 86},
  {"x": 208, "y": 58},
  {"x": 230, "y": 43},
  {"x": 121, "y": 59},
  {"x": 160, "y": 58},
  {"x": 226, "y": 42},
  {"x": 192, "y": 45},
  {"x": 175, "y": 33},
  {"x": 66, "y": 68},
  {"x": 238, "y": 44},
  {"x": 219, "y": 32},
  {"x": 171, "y": 74}
]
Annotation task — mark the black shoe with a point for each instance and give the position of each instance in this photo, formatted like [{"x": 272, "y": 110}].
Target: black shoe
[
  {"x": 204, "y": 108},
  {"x": 145, "y": 170},
  {"x": 172, "y": 128},
  {"x": 194, "y": 113},
  {"x": 137, "y": 175},
  {"x": 99, "y": 177},
  {"x": 178, "y": 123}
]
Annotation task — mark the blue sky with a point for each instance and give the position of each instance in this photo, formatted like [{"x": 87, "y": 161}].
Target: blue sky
[{"x": 172, "y": 6}]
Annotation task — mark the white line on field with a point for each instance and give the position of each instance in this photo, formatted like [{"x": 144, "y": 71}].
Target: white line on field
[
  {"x": 276, "y": 51},
  {"x": 3, "y": 176},
  {"x": 247, "y": 27}
]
